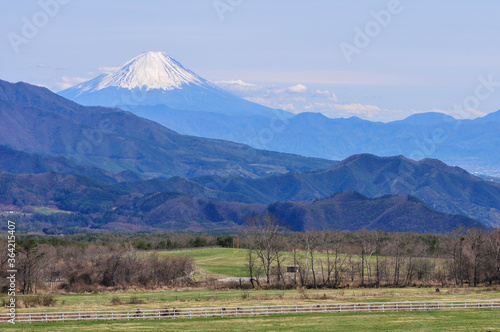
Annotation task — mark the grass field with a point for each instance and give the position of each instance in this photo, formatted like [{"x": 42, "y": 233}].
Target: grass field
[
  {"x": 47, "y": 210},
  {"x": 191, "y": 298},
  {"x": 453, "y": 320},
  {"x": 220, "y": 263}
]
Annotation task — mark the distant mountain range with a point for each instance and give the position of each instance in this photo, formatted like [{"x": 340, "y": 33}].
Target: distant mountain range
[
  {"x": 156, "y": 87},
  {"x": 470, "y": 144},
  {"x": 443, "y": 188},
  {"x": 35, "y": 120},
  {"x": 94, "y": 205},
  {"x": 344, "y": 211},
  {"x": 406, "y": 195}
]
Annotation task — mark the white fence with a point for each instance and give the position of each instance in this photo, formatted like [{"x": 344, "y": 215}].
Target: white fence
[{"x": 171, "y": 313}]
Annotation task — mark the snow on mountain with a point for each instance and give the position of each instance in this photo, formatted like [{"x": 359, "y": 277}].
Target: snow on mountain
[
  {"x": 150, "y": 70},
  {"x": 155, "y": 78}
]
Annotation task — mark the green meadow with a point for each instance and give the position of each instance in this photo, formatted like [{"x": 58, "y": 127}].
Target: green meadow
[{"x": 453, "y": 320}]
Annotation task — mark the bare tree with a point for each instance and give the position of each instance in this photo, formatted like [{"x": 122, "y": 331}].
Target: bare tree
[
  {"x": 267, "y": 234},
  {"x": 379, "y": 245},
  {"x": 29, "y": 259},
  {"x": 456, "y": 247},
  {"x": 366, "y": 243},
  {"x": 491, "y": 249},
  {"x": 335, "y": 258},
  {"x": 312, "y": 241},
  {"x": 50, "y": 270},
  {"x": 294, "y": 244},
  {"x": 398, "y": 246},
  {"x": 476, "y": 238},
  {"x": 253, "y": 269}
]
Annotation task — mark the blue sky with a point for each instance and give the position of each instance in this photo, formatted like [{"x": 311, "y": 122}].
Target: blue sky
[{"x": 429, "y": 55}]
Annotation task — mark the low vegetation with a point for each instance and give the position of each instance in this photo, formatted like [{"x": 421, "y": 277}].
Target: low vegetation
[
  {"x": 88, "y": 269},
  {"x": 184, "y": 297},
  {"x": 453, "y": 320}
]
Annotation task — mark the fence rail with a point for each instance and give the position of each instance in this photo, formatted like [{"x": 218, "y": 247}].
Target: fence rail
[{"x": 171, "y": 313}]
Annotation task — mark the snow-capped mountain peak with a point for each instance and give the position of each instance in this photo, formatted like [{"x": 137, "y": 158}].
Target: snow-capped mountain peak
[
  {"x": 149, "y": 70},
  {"x": 156, "y": 79}
]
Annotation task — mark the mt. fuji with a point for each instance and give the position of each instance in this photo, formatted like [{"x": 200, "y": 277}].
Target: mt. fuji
[
  {"x": 155, "y": 78},
  {"x": 151, "y": 70}
]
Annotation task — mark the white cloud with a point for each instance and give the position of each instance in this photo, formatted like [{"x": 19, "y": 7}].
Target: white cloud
[
  {"x": 295, "y": 99},
  {"x": 234, "y": 83},
  {"x": 68, "y": 82},
  {"x": 298, "y": 98},
  {"x": 238, "y": 87},
  {"x": 357, "y": 107},
  {"x": 329, "y": 95},
  {"x": 299, "y": 88},
  {"x": 323, "y": 93},
  {"x": 287, "y": 107},
  {"x": 41, "y": 85}
]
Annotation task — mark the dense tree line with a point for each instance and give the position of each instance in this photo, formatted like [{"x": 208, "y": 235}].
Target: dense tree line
[
  {"x": 140, "y": 241},
  {"x": 275, "y": 257},
  {"x": 368, "y": 258}
]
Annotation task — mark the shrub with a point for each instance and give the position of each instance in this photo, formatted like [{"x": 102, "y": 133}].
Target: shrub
[
  {"x": 115, "y": 300},
  {"x": 135, "y": 300},
  {"x": 39, "y": 301},
  {"x": 225, "y": 241}
]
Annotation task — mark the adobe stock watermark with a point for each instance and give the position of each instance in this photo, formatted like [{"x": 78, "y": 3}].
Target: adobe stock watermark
[
  {"x": 372, "y": 29},
  {"x": 31, "y": 26},
  {"x": 223, "y": 6},
  {"x": 11, "y": 270}
]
